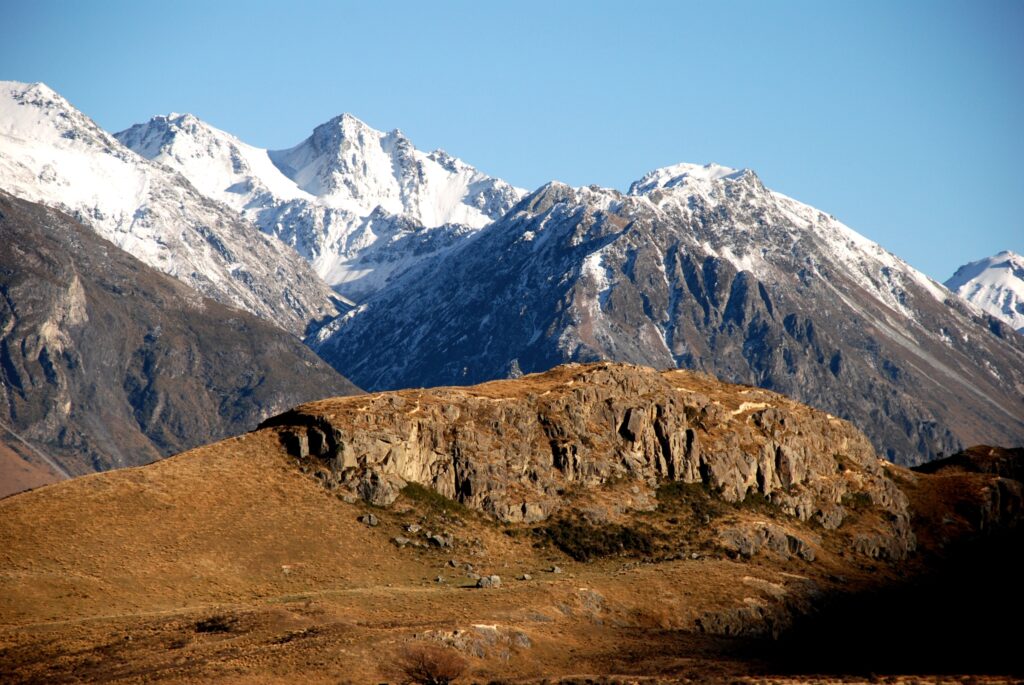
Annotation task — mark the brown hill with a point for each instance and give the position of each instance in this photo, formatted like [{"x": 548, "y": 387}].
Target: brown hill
[
  {"x": 105, "y": 362},
  {"x": 241, "y": 562}
]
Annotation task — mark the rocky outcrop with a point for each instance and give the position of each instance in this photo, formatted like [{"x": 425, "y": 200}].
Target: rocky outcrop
[
  {"x": 514, "y": 448},
  {"x": 749, "y": 539}
]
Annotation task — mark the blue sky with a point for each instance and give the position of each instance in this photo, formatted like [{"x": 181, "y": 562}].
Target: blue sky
[{"x": 903, "y": 119}]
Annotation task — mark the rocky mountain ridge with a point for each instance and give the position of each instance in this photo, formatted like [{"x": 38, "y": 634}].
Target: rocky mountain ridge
[
  {"x": 701, "y": 268},
  {"x": 357, "y": 203},
  {"x": 106, "y": 362},
  {"x": 52, "y": 153}
]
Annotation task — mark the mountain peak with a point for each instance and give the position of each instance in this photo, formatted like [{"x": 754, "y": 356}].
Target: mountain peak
[
  {"x": 180, "y": 135},
  {"x": 52, "y": 153},
  {"x": 183, "y": 118},
  {"x": 683, "y": 174},
  {"x": 323, "y": 195},
  {"x": 995, "y": 285},
  {"x": 348, "y": 124},
  {"x": 36, "y": 88},
  {"x": 36, "y": 94},
  {"x": 1010, "y": 256}
]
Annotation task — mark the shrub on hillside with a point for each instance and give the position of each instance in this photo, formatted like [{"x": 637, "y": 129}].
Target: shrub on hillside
[
  {"x": 583, "y": 541},
  {"x": 424, "y": 664}
]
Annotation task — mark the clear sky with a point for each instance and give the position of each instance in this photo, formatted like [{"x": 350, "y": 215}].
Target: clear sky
[{"x": 903, "y": 119}]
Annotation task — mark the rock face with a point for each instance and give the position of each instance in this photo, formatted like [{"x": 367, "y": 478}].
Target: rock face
[
  {"x": 105, "y": 362},
  {"x": 701, "y": 268},
  {"x": 514, "y": 448}
]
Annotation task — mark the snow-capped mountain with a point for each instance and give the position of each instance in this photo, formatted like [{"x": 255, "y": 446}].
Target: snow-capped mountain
[
  {"x": 995, "y": 285},
  {"x": 705, "y": 268},
  {"x": 352, "y": 200},
  {"x": 53, "y": 154}
]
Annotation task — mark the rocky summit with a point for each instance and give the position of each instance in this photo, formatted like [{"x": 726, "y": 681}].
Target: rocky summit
[{"x": 513, "y": 449}]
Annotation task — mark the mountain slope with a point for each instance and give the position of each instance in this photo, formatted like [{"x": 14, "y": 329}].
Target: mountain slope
[
  {"x": 353, "y": 201},
  {"x": 52, "y": 153},
  {"x": 106, "y": 362},
  {"x": 995, "y": 285},
  {"x": 705, "y": 268}
]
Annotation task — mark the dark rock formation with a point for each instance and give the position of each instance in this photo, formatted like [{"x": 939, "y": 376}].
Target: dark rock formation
[{"x": 105, "y": 362}]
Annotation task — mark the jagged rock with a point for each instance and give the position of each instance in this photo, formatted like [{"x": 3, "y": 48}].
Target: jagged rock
[
  {"x": 369, "y": 519},
  {"x": 297, "y": 443},
  {"x": 511, "y": 448},
  {"x": 379, "y": 489}
]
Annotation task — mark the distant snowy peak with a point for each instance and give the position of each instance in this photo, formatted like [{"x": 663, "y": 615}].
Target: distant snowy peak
[
  {"x": 737, "y": 218},
  {"x": 217, "y": 163},
  {"x": 995, "y": 285},
  {"x": 32, "y": 115},
  {"x": 350, "y": 199},
  {"x": 684, "y": 175},
  {"x": 352, "y": 166}
]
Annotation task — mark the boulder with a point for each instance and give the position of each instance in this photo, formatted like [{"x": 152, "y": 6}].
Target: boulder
[
  {"x": 489, "y": 582},
  {"x": 369, "y": 519}
]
